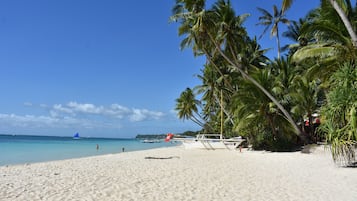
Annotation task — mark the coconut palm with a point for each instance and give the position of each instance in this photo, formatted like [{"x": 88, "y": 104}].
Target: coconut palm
[
  {"x": 305, "y": 102},
  {"x": 260, "y": 120},
  {"x": 272, "y": 20},
  {"x": 223, "y": 46},
  {"x": 343, "y": 8},
  {"x": 186, "y": 106},
  {"x": 331, "y": 43},
  {"x": 210, "y": 29},
  {"x": 294, "y": 34},
  {"x": 211, "y": 88}
]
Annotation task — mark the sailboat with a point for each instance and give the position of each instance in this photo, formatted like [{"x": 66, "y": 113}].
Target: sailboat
[{"x": 76, "y": 136}]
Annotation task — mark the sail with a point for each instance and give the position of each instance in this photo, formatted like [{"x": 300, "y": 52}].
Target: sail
[{"x": 76, "y": 136}]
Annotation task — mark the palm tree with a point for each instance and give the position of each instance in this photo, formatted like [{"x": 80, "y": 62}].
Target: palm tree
[
  {"x": 260, "y": 120},
  {"x": 294, "y": 34},
  {"x": 222, "y": 44},
  {"x": 330, "y": 45},
  {"x": 342, "y": 7},
  {"x": 334, "y": 45},
  {"x": 218, "y": 33},
  {"x": 272, "y": 20},
  {"x": 337, "y": 5},
  {"x": 186, "y": 106},
  {"x": 305, "y": 101}
]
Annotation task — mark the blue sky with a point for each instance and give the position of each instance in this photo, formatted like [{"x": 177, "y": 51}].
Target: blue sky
[{"x": 101, "y": 68}]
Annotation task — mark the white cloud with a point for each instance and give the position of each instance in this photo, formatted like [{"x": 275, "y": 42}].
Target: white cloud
[
  {"x": 31, "y": 121},
  {"x": 27, "y": 120},
  {"x": 113, "y": 111},
  {"x": 85, "y": 108},
  {"x": 75, "y": 114},
  {"x": 28, "y": 104},
  {"x": 140, "y": 115},
  {"x": 58, "y": 108}
]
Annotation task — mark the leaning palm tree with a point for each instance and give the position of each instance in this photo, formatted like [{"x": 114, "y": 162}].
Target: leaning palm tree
[
  {"x": 210, "y": 30},
  {"x": 272, "y": 20},
  {"x": 186, "y": 106},
  {"x": 260, "y": 120},
  {"x": 223, "y": 46}
]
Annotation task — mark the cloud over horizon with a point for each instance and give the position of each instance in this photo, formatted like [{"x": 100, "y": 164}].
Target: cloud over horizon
[
  {"x": 84, "y": 115},
  {"x": 113, "y": 111}
]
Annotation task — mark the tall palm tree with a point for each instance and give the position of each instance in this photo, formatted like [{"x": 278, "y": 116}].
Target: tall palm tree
[
  {"x": 272, "y": 20},
  {"x": 338, "y": 5},
  {"x": 330, "y": 45},
  {"x": 342, "y": 7},
  {"x": 211, "y": 89},
  {"x": 210, "y": 29},
  {"x": 222, "y": 45}
]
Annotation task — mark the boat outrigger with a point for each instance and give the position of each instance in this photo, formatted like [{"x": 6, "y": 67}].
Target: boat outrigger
[{"x": 210, "y": 142}]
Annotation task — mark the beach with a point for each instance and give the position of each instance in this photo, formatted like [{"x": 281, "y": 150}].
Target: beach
[{"x": 177, "y": 174}]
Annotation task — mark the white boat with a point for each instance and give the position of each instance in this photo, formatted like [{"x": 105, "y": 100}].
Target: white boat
[
  {"x": 151, "y": 141},
  {"x": 210, "y": 141}
]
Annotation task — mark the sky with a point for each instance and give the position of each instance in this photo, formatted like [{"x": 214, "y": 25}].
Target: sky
[{"x": 103, "y": 68}]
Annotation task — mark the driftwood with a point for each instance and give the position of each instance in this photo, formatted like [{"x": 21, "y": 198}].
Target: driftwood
[{"x": 170, "y": 157}]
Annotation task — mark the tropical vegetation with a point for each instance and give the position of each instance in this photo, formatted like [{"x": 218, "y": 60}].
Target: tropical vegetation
[{"x": 274, "y": 103}]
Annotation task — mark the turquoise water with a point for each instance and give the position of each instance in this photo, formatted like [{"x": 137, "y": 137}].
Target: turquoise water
[{"x": 22, "y": 149}]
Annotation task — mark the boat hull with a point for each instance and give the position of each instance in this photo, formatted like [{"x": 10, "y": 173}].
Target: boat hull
[{"x": 203, "y": 142}]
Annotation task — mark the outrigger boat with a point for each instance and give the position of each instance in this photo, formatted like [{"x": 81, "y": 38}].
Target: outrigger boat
[
  {"x": 151, "y": 141},
  {"x": 211, "y": 142}
]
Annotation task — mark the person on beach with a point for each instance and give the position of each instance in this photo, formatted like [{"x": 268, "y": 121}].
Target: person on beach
[
  {"x": 122, "y": 149},
  {"x": 97, "y": 147}
]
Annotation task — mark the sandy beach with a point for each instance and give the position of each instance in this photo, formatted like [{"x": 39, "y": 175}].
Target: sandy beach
[{"x": 178, "y": 174}]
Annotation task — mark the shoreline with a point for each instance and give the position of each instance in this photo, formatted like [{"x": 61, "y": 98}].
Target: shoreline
[
  {"x": 173, "y": 173},
  {"x": 33, "y": 149}
]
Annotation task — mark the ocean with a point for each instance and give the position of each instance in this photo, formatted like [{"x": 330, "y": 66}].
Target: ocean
[{"x": 22, "y": 149}]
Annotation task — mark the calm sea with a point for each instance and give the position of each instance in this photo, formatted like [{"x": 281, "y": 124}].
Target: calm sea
[{"x": 20, "y": 149}]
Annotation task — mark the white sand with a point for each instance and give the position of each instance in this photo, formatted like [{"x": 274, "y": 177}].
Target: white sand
[{"x": 188, "y": 175}]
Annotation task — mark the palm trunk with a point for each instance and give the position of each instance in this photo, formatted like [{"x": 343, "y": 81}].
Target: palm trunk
[
  {"x": 272, "y": 126},
  {"x": 345, "y": 21},
  {"x": 209, "y": 57},
  {"x": 224, "y": 110},
  {"x": 278, "y": 41}
]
